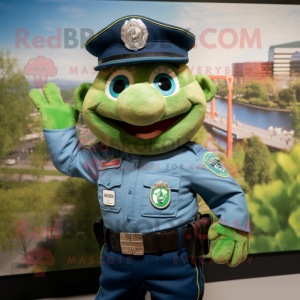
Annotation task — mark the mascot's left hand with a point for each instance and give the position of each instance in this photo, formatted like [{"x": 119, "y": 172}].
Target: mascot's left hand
[{"x": 232, "y": 247}]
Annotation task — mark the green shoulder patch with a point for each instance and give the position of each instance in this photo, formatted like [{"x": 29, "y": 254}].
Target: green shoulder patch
[{"x": 213, "y": 163}]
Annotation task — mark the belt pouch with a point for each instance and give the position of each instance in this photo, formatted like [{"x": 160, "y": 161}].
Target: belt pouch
[
  {"x": 198, "y": 243},
  {"x": 99, "y": 230}
]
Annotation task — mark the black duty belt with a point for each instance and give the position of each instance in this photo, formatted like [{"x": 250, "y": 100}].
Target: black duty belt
[{"x": 148, "y": 243}]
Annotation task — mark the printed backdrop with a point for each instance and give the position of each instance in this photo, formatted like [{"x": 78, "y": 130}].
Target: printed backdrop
[{"x": 46, "y": 217}]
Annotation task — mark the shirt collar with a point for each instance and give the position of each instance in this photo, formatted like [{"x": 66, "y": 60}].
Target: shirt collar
[{"x": 130, "y": 154}]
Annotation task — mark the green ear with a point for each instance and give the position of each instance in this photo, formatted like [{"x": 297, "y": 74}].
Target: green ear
[
  {"x": 80, "y": 94},
  {"x": 207, "y": 85}
]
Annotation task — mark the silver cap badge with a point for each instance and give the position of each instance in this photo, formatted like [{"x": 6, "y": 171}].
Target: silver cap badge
[{"x": 134, "y": 34}]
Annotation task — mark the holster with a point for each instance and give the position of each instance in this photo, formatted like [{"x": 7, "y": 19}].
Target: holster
[
  {"x": 199, "y": 244},
  {"x": 99, "y": 230}
]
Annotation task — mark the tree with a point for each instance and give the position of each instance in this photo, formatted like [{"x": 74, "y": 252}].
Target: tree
[
  {"x": 237, "y": 91},
  {"x": 269, "y": 86},
  {"x": 28, "y": 206},
  {"x": 296, "y": 118},
  {"x": 38, "y": 158},
  {"x": 68, "y": 95},
  {"x": 296, "y": 88},
  {"x": 78, "y": 240},
  {"x": 15, "y": 104},
  {"x": 256, "y": 89},
  {"x": 287, "y": 95},
  {"x": 200, "y": 136},
  {"x": 258, "y": 163},
  {"x": 222, "y": 89},
  {"x": 275, "y": 207}
]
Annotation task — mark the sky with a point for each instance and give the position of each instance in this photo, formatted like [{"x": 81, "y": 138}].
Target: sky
[{"x": 272, "y": 24}]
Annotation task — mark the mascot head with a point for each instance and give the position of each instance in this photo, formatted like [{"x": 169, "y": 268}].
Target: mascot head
[{"x": 144, "y": 100}]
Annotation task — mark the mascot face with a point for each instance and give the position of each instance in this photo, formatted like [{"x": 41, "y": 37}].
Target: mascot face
[{"x": 145, "y": 109}]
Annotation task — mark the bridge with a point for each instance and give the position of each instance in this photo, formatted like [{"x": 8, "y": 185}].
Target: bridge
[{"x": 279, "y": 140}]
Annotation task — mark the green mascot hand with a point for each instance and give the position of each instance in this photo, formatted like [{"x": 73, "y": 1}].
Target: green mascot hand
[
  {"x": 55, "y": 113},
  {"x": 232, "y": 247}
]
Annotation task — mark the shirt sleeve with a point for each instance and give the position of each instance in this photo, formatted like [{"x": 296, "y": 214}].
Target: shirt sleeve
[
  {"x": 220, "y": 192},
  {"x": 69, "y": 156}
]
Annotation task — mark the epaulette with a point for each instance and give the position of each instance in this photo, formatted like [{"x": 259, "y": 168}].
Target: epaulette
[
  {"x": 93, "y": 143},
  {"x": 87, "y": 146},
  {"x": 194, "y": 147},
  {"x": 97, "y": 145}
]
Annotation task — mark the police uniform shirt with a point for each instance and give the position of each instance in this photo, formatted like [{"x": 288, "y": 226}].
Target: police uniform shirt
[{"x": 124, "y": 192}]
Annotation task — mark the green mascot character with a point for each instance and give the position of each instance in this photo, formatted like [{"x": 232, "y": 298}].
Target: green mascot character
[{"x": 144, "y": 106}]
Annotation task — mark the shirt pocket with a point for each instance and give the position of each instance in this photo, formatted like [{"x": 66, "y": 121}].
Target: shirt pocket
[
  {"x": 148, "y": 209},
  {"x": 110, "y": 180}
]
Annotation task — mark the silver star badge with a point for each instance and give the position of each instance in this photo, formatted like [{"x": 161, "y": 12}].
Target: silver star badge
[{"x": 134, "y": 34}]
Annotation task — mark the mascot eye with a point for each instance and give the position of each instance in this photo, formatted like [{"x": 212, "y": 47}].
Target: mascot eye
[
  {"x": 165, "y": 80},
  {"x": 117, "y": 83},
  {"x": 165, "y": 84}
]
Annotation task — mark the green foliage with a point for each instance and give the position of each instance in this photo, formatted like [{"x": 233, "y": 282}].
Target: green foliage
[
  {"x": 15, "y": 105},
  {"x": 235, "y": 165},
  {"x": 238, "y": 156},
  {"x": 200, "y": 136},
  {"x": 259, "y": 102},
  {"x": 32, "y": 203},
  {"x": 275, "y": 207},
  {"x": 39, "y": 157},
  {"x": 287, "y": 95},
  {"x": 256, "y": 89},
  {"x": 68, "y": 95},
  {"x": 282, "y": 104},
  {"x": 38, "y": 204},
  {"x": 222, "y": 88},
  {"x": 296, "y": 87},
  {"x": 296, "y": 119},
  {"x": 258, "y": 163},
  {"x": 10, "y": 171},
  {"x": 269, "y": 86},
  {"x": 237, "y": 90},
  {"x": 242, "y": 100},
  {"x": 79, "y": 240}
]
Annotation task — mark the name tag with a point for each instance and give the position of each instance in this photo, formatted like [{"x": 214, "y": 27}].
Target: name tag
[
  {"x": 111, "y": 163},
  {"x": 109, "y": 198}
]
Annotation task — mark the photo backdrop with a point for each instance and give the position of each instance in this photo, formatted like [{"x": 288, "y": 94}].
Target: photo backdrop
[{"x": 46, "y": 217}]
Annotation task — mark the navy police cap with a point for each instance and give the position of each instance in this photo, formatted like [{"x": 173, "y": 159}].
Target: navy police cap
[{"x": 137, "y": 39}]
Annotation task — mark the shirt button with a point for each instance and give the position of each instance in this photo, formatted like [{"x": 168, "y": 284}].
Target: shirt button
[
  {"x": 130, "y": 192},
  {"x": 128, "y": 219},
  {"x": 108, "y": 184}
]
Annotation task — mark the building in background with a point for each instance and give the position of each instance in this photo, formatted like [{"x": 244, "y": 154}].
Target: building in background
[
  {"x": 283, "y": 66},
  {"x": 295, "y": 64},
  {"x": 247, "y": 72},
  {"x": 281, "y": 56}
]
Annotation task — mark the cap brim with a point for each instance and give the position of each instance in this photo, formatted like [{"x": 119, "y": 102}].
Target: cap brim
[{"x": 132, "y": 61}]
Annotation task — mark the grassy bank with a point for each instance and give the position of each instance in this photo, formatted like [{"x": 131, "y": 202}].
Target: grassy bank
[{"x": 29, "y": 171}]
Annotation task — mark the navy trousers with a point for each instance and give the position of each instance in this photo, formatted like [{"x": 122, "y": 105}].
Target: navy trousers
[{"x": 167, "y": 277}]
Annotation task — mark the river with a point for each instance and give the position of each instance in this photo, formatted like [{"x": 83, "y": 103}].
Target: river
[{"x": 261, "y": 118}]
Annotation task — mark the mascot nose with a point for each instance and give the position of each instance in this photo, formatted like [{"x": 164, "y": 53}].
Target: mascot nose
[{"x": 141, "y": 105}]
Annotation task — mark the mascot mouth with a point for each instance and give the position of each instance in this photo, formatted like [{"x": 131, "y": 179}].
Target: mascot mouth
[{"x": 149, "y": 131}]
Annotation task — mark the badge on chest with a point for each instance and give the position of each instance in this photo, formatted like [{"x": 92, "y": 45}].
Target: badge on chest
[
  {"x": 109, "y": 198},
  {"x": 160, "y": 195}
]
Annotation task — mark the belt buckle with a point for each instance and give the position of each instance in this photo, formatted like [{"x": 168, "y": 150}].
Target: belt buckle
[{"x": 132, "y": 243}]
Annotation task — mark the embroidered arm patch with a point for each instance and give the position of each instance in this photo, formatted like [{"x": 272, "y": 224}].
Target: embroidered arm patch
[{"x": 213, "y": 163}]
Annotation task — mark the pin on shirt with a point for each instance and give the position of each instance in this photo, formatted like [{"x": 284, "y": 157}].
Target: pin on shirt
[{"x": 111, "y": 163}]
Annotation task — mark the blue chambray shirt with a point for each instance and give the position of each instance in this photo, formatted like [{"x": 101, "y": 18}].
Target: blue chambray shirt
[{"x": 182, "y": 169}]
